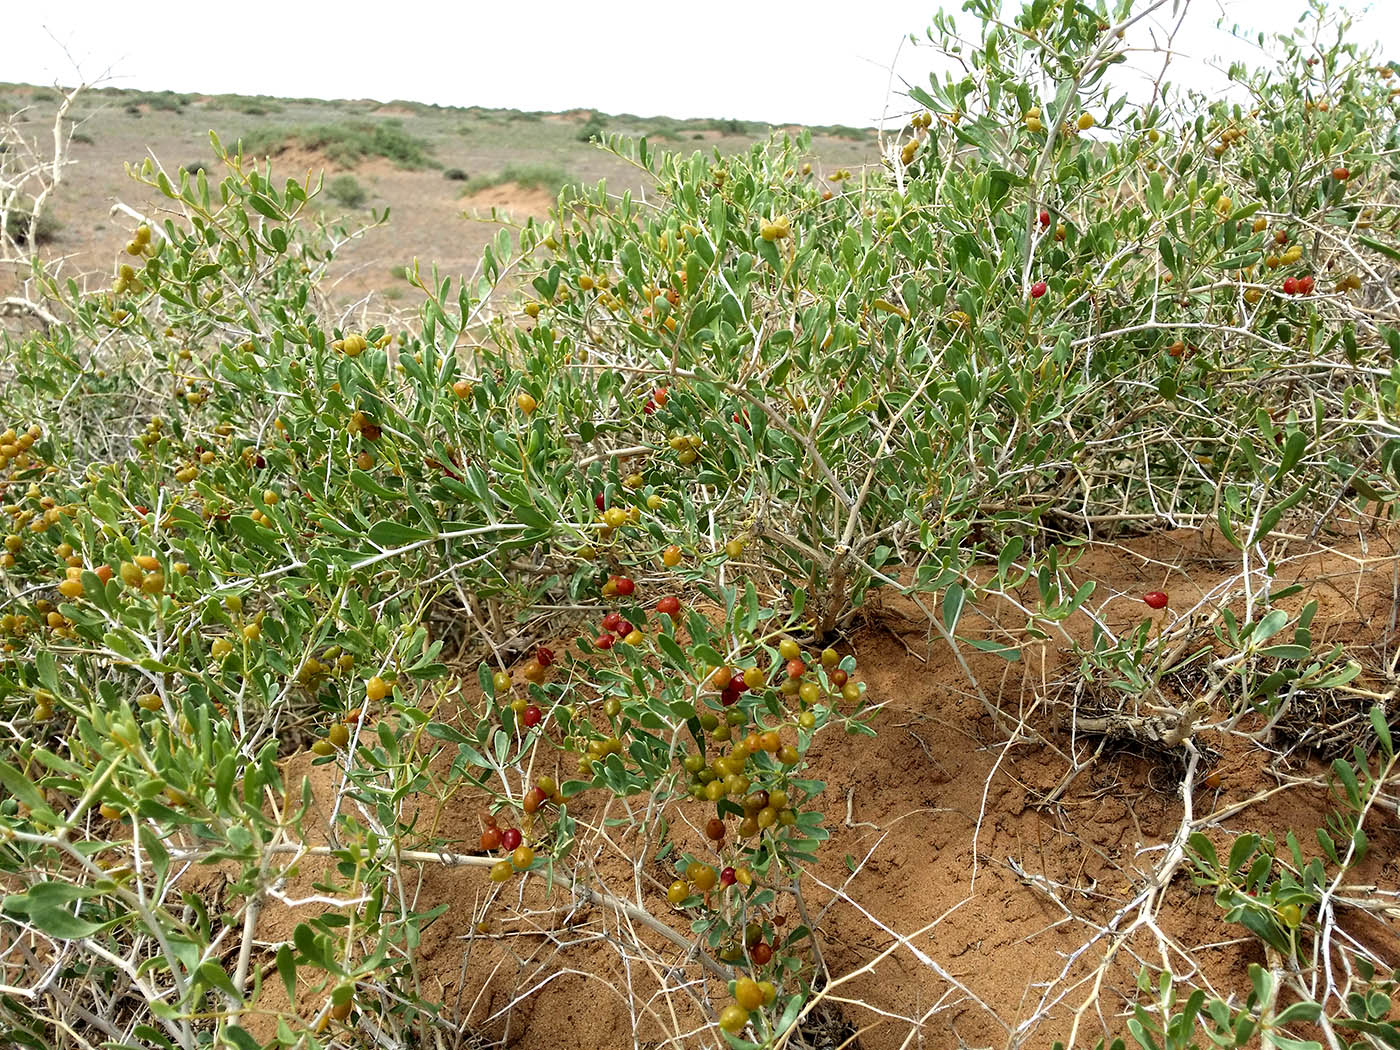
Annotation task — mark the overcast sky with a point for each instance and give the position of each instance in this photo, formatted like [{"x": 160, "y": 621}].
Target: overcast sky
[{"x": 811, "y": 61}]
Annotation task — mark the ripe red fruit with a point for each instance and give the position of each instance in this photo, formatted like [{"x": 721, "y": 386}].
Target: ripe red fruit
[
  {"x": 795, "y": 668},
  {"x": 624, "y": 628},
  {"x": 660, "y": 395},
  {"x": 532, "y": 716},
  {"x": 491, "y": 838},
  {"x": 1305, "y": 285},
  {"x": 1044, "y": 217},
  {"x": 599, "y": 502},
  {"x": 649, "y": 407},
  {"x": 727, "y": 877},
  {"x": 604, "y": 641},
  {"x": 761, "y": 953},
  {"x": 714, "y": 829},
  {"x": 544, "y": 656},
  {"x": 729, "y": 696},
  {"x": 625, "y": 586},
  {"x": 510, "y": 838},
  {"x": 1155, "y": 599},
  {"x": 1038, "y": 289},
  {"x": 611, "y": 621},
  {"x": 1341, "y": 174},
  {"x": 1290, "y": 286},
  {"x": 670, "y": 605}
]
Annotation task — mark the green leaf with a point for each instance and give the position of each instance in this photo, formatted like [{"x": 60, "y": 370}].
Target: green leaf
[
  {"x": 953, "y": 598},
  {"x": 1273, "y": 622},
  {"x": 1382, "y": 730},
  {"x": 239, "y": 1038},
  {"x": 212, "y": 974},
  {"x": 1008, "y": 653},
  {"x": 49, "y": 907},
  {"x": 265, "y": 207},
  {"x": 386, "y": 534}
]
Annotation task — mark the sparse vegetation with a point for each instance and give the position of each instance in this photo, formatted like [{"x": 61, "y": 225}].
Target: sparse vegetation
[
  {"x": 526, "y": 176},
  {"x": 454, "y": 175},
  {"x": 346, "y": 191},
  {"x": 19, "y": 225},
  {"x": 347, "y": 144},
  {"x": 594, "y": 127}
]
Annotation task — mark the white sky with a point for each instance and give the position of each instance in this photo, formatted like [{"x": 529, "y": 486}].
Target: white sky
[{"x": 812, "y": 61}]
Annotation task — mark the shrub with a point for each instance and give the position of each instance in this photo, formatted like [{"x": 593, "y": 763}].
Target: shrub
[
  {"x": 346, "y": 191},
  {"x": 455, "y": 175},
  {"x": 346, "y": 144},
  {"x": 527, "y": 176},
  {"x": 168, "y": 101},
  {"x": 19, "y": 226},
  {"x": 693, "y": 441},
  {"x": 592, "y": 129},
  {"x": 729, "y": 127}
]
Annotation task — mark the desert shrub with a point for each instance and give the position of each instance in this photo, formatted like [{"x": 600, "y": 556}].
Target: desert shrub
[
  {"x": 593, "y": 128},
  {"x": 527, "y": 176},
  {"x": 455, "y": 175},
  {"x": 167, "y": 101},
  {"x": 346, "y": 191},
  {"x": 729, "y": 127},
  {"x": 82, "y": 137},
  {"x": 19, "y": 225},
  {"x": 700, "y": 435},
  {"x": 347, "y": 143},
  {"x": 194, "y": 167},
  {"x": 843, "y": 131},
  {"x": 250, "y": 105}
]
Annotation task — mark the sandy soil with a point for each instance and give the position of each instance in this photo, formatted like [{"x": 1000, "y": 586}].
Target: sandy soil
[{"x": 957, "y": 904}]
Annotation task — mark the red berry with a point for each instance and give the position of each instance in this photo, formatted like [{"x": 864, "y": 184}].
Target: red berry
[
  {"x": 838, "y": 678},
  {"x": 604, "y": 641},
  {"x": 611, "y": 621},
  {"x": 1155, "y": 599},
  {"x": 729, "y": 696},
  {"x": 1044, "y": 217},
  {"x": 625, "y": 586},
  {"x": 670, "y": 605},
  {"x": 1290, "y": 286},
  {"x": 491, "y": 838},
  {"x": 714, "y": 829},
  {"x": 1038, "y": 289},
  {"x": 649, "y": 407},
  {"x": 599, "y": 502},
  {"x": 510, "y": 838},
  {"x": 544, "y": 656},
  {"x": 624, "y": 627},
  {"x": 532, "y": 716},
  {"x": 761, "y": 953},
  {"x": 660, "y": 394},
  {"x": 1341, "y": 174},
  {"x": 727, "y": 877},
  {"x": 795, "y": 668},
  {"x": 1305, "y": 285}
]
